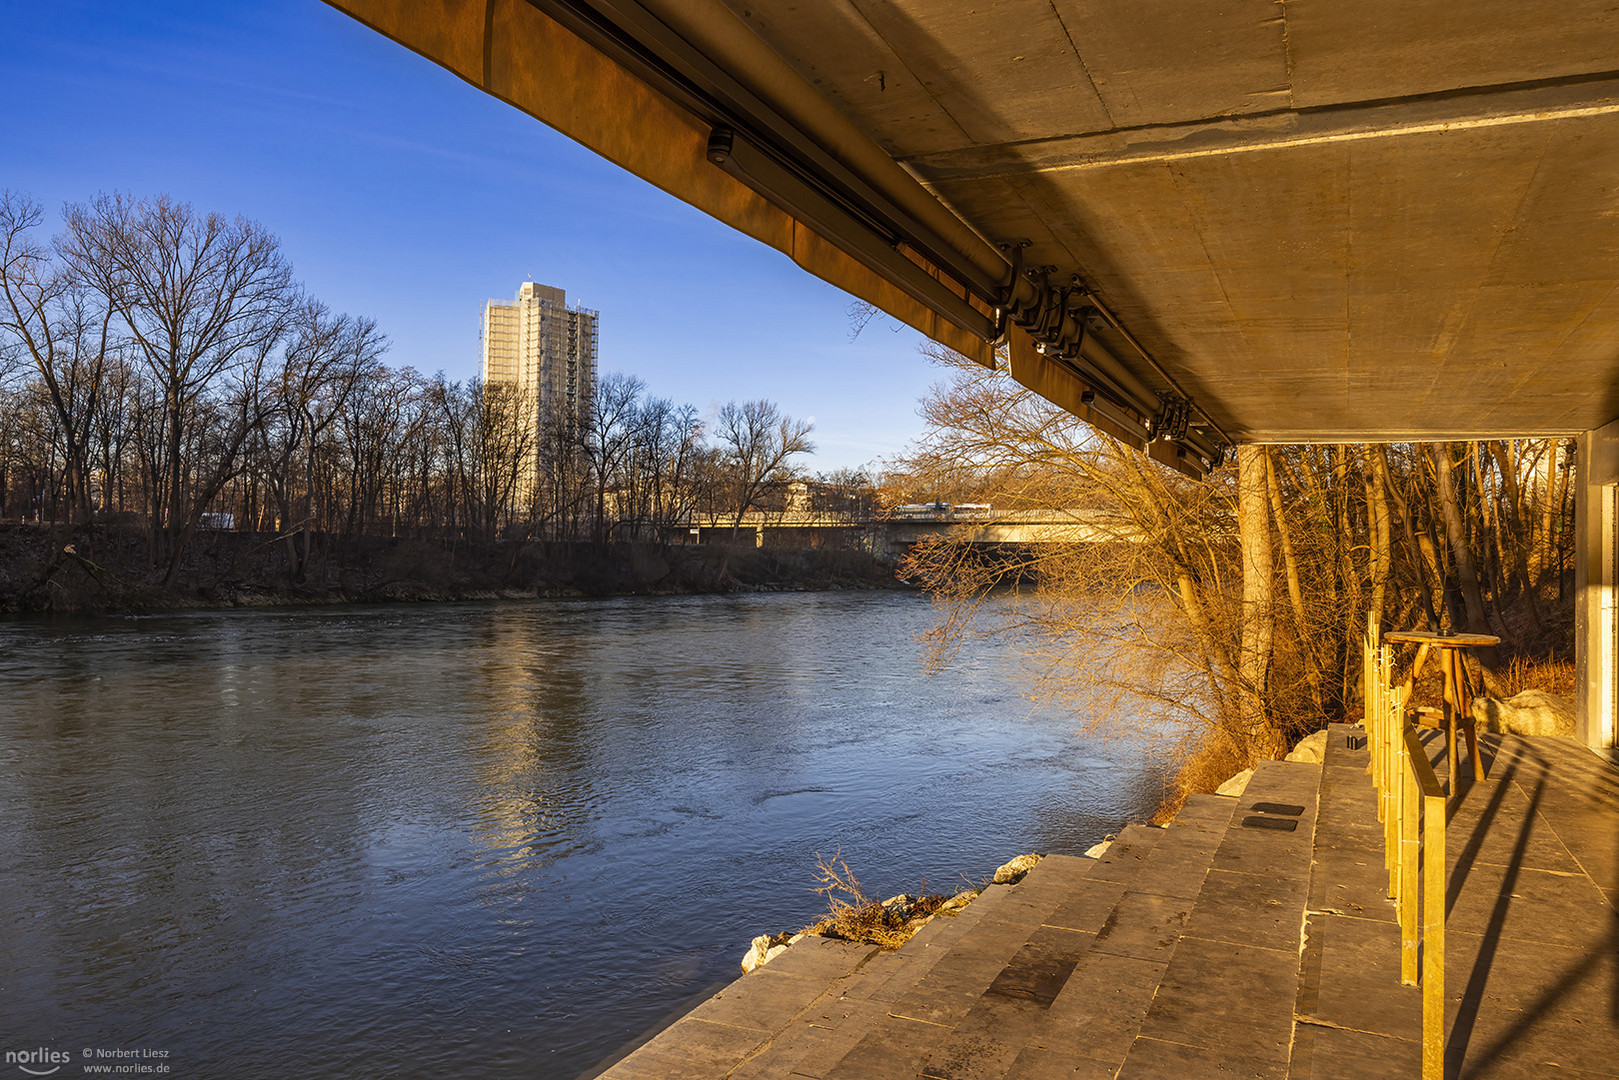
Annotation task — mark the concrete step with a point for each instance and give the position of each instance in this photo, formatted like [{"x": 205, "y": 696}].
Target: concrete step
[
  {"x": 1007, "y": 955},
  {"x": 1224, "y": 1004},
  {"x": 816, "y": 1040},
  {"x": 1053, "y": 976},
  {"x": 1350, "y": 913},
  {"x": 1073, "y": 998}
]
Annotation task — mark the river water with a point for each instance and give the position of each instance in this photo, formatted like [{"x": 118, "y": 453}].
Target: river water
[{"x": 491, "y": 840}]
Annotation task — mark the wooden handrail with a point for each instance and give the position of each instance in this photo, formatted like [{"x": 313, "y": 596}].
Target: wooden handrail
[
  {"x": 1411, "y": 805},
  {"x": 1431, "y": 851}
]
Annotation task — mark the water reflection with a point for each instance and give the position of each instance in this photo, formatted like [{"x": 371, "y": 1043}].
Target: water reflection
[{"x": 490, "y": 840}]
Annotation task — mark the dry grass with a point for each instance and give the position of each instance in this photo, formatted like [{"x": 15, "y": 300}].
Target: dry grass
[
  {"x": 853, "y": 916},
  {"x": 1551, "y": 674},
  {"x": 1200, "y": 772}
]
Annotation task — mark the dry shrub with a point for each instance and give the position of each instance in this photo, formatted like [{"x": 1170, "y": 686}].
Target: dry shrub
[
  {"x": 1551, "y": 674},
  {"x": 1205, "y": 768},
  {"x": 853, "y": 916}
]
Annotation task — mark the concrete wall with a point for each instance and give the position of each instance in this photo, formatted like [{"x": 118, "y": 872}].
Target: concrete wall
[{"x": 1596, "y": 571}]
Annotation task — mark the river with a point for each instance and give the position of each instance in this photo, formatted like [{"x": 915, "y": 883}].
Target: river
[{"x": 492, "y": 840}]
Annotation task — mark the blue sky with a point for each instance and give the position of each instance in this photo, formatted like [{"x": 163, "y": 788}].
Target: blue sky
[{"x": 401, "y": 193}]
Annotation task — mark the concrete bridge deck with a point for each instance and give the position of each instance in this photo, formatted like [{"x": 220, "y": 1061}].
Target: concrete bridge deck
[
  {"x": 1059, "y": 526},
  {"x": 1217, "y": 947}
]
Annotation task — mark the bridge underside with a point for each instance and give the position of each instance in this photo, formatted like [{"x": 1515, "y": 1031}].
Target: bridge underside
[
  {"x": 1318, "y": 221},
  {"x": 1190, "y": 222}
]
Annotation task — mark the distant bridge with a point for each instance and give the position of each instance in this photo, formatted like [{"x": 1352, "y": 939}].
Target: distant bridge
[{"x": 909, "y": 525}]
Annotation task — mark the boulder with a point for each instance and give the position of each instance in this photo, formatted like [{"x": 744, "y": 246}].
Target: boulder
[
  {"x": 1236, "y": 785},
  {"x": 766, "y": 947},
  {"x": 1533, "y": 712},
  {"x": 1013, "y": 872},
  {"x": 1311, "y": 749},
  {"x": 1095, "y": 850},
  {"x": 957, "y": 902}
]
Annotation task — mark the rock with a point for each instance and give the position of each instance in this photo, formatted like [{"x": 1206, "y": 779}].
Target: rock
[
  {"x": 1236, "y": 785},
  {"x": 957, "y": 902},
  {"x": 766, "y": 948},
  {"x": 1311, "y": 749},
  {"x": 1533, "y": 712},
  {"x": 1013, "y": 872},
  {"x": 1095, "y": 850}
]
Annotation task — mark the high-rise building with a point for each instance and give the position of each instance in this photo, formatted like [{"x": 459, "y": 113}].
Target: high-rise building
[{"x": 543, "y": 346}]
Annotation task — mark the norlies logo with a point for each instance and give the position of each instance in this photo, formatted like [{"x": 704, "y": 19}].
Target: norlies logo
[{"x": 35, "y": 1062}]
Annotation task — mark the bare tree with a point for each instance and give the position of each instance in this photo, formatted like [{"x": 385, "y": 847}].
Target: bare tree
[
  {"x": 673, "y": 435},
  {"x": 759, "y": 442},
  {"x": 202, "y": 298},
  {"x": 1231, "y": 608},
  {"x": 326, "y": 357},
  {"x": 1257, "y": 615},
  {"x": 610, "y": 431},
  {"x": 506, "y": 452},
  {"x": 49, "y": 317}
]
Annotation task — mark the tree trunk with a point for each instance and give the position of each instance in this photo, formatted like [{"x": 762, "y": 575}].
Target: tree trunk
[
  {"x": 1377, "y": 513},
  {"x": 1257, "y": 630},
  {"x": 1295, "y": 588},
  {"x": 1466, "y": 568}
]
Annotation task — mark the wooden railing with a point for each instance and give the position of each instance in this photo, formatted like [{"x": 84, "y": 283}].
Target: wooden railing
[{"x": 1412, "y": 807}]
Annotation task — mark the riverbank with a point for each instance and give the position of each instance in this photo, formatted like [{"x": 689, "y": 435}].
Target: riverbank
[{"x": 106, "y": 570}]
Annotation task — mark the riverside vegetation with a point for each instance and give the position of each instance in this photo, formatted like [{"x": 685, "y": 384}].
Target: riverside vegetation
[
  {"x": 104, "y": 571},
  {"x": 1228, "y": 611}
]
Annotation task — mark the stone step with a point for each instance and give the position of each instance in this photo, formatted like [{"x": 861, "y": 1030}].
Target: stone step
[
  {"x": 808, "y": 1005},
  {"x": 1051, "y": 975},
  {"x": 1224, "y": 1004},
  {"x": 816, "y": 1040},
  {"x": 1349, "y": 911},
  {"x": 742, "y": 1020},
  {"x": 885, "y": 985},
  {"x": 1175, "y": 857},
  {"x": 992, "y": 961},
  {"x": 1069, "y": 999},
  {"x": 1129, "y": 849},
  {"x": 1215, "y": 808}
]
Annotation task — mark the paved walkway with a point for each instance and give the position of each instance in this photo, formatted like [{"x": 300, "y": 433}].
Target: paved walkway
[
  {"x": 1532, "y": 937},
  {"x": 1251, "y": 938}
]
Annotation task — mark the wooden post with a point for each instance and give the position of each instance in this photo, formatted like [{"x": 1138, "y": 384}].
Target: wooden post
[
  {"x": 1435, "y": 878},
  {"x": 1411, "y": 805},
  {"x": 1374, "y": 763},
  {"x": 1430, "y": 796},
  {"x": 1451, "y": 718},
  {"x": 1464, "y": 682},
  {"x": 1416, "y": 669},
  {"x": 1394, "y": 770}
]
